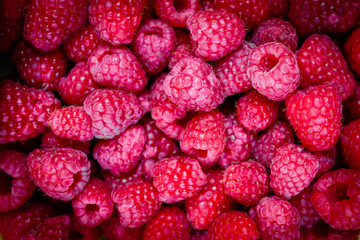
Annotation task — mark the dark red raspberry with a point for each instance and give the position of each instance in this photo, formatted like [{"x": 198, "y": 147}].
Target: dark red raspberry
[
  {"x": 352, "y": 105},
  {"x": 77, "y": 231},
  {"x": 330, "y": 65},
  {"x": 24, "y": 111},
  {"x": 336, "y": 198},
  {"x": 279, "y": 8},
  {"x": 178, "y": 178},
  {"x": 113, "y": 230},
  {"x": 315, "y": 115},
  {"x": 215, "y": 33},
  {"x": 327, "y": 160},
  {"x": 45, "y": 30},
  {"x": 61, "y": 173},
  {"x": 350, "y": 142},
  {"x": 136, "y": 203},
  {"x": 233, "y": 225},
  {"x": 169, "y": 223},
  {"x": 182, "y": 36},
  {"x": 181, "y": 51},
  {"x": 352, "y": 50},
  {"x": 207, "y": 5}
]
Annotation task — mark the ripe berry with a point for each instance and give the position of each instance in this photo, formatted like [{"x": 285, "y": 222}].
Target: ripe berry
[
  {"x": 350, "y": 143},
  {"x": 352, "y": 50}
]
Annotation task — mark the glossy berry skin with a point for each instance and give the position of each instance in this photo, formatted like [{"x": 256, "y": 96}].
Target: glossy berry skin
[
  {"x": 352, "y": 50},
  {"x": 136, "y": 203},
  {"x": 350, "y": 143},
  {"x": 113, "y": 230},
  {"x": 215, "y": 33},
  {"x": 178, "y": 178},
  {"x": 233, "y": 225},
  {"x": 315, "y": 114},
  {"x": 61, "y": 173}
]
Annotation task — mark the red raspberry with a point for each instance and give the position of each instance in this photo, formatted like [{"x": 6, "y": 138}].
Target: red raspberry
[
  {"x": 114, "y": 20},
  {"x": 16, "y": 187},
  {"x": 176, "y": 12},
  {"x": 203, "y": 208},
  {"x": 145, "y": 100},
  {"x": 277, "y": 219},
  {"x": 330, "y": 65},
  {"x": 113, "y": 230},
  {"x": 181, "y": 51},
  {"x": 336, "y": 198},
  {"x": 115, "y": 181},
  {"x": 182, "y": 36},
  {"x": 291, "y": 170},
  {"x": 192, "y": 85},
  {"x": 350, "y": 142},
  {"x": 71, "y": 122},
  {"x": 45, "y": 30},
  {"x": 231, "y": 70},
  {"x": 315, "y": 114},
  {"x": 239, "y": 142},
  {"x": 273, "y": 70},
  {"x": 153, "y": 44},
  {"x": 207, "y": 5},
  {"x": 24, "y": 111},
  {"x": 233, "y": 225},
  {"x": 352, "y": 105},
  {"x": 178, "y": 178},
  {"x": 327, "y": 161},
  {"x": 82, "y": 43},
  {"x": 169, "y": 223},
  {"x": 122, "y": 153},
  {"x": 117, "y": 67},
  {"x": 279, "y": 8},
  {"x": 276, "y": 30},
  {"x": 246, "y": 182},
  {"x": 112, "y": 111},
  {"x": 215, "y": 33},
  {"x": 61, "y": 173},
  {"x": 352, "y": 50},
  {"x": 325, "y": 16},
  {"x": 136, "y": 203},
  {"x": 82, "y": 232},
  {"x": 256, "y": 112},
  {"x": 197, "y": 234},
  {"x": 269, "y": 141}
]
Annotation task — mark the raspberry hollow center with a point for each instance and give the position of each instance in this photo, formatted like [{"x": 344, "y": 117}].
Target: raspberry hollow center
[
  {"x": 338, "y": 192},
  {"x": 91, "y": 208},
  {"x": 5, "y": 180},
  {"x": 268, "y": 62}
]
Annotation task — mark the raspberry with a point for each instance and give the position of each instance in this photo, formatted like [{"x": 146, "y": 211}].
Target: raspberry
[
  {"x": 16, "y": 187},
  {"x": 335, "y": 198},
  {"x": 169, "y": 223},
  {"x": 82, "y": 43},
  {"x": 61, "y": 173},
  {"x": 117, "y": 67},
  {"x": 277, "y": 219},
  {"x": 233, "y": 225},
  {"x": 269, "y": 141},
  {"x": 122, "y": 153},
  {"x": 112, "y": 111},
  {"x": 178, "y": 178},
  {"x": 136, "y": 203},
  {"x": 352, "y": 105},
  {"x": 291, "y": 170},
  {"x": 192, "y": 85},
  {"x": 279, "y": 8},
  {"x": 77, "y": 85},
  {"x": 215, "y": 33},
  {"x": 276, "y": 30},
  {"x": 327, "y": 161},
  {"x": 23, "y": 111},
  {"x": 153, "y": 44},
  {"x": 350, "y": 143},
  {"x": 231, "y": 70},
  {"x": 246, "y": 182},
  {"x": 45, "y": 30},
  {"x": 182, "y": 36},
  {"x": 273, "y": 70},
  {"x": 352, "y": 50},
  {"x": 330, "y": 65},
  {"x": 315, "y": 114},
  {"x": 77, "y": 230},
  {"x": 256, "y": 112},
  {"x": 181, "y": 51},
  {"x": 176, "y": 12},
  {"x": 207, "y": 5},
  {"x": 115, "y": 181},
  {"x": 115, "y": 21},
  {"x": 203, "y": 208},
  {"x": 113, "y": 230}
]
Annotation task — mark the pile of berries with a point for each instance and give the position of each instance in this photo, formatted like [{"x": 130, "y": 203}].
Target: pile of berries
[{"x": 180, "y": 119}]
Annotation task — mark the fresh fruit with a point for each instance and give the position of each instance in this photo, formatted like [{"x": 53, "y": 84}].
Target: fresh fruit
[{"x": 350, "y": 143}]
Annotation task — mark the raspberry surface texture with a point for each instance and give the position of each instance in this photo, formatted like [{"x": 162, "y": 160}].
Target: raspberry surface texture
[
  {"x": 350, "y": 144},
  {"x": 352, "y": 50}
]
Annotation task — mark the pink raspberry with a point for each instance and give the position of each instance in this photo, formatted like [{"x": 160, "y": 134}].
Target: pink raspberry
[
  {"x": 113, "y": 230},
  {"x": 136, "y": 203},
  {"x": 16, "y": 187},
  {"x": 178, "y": 178},
  {"x": 153, "y": 44},
  {"x": 112, "y": 111},
  {"x": 45, "y": 30},
  {"x": 335, "y": 198},
  {"x": 349, "y": 143},
  {"x": 246, "y": 182},
  {"x": 117, "y": 67},
  {"x": 291, "y": 170},
  {"x": 192, "y": 84},
  {"x": 61, "y": 173},
  {"x": 215, "y": 33},
  {"x": 330, "y": 65},
  {"x": 352, "y": 50},
  {"x": 233, "y": 225},
  {"x": 327, "y": 160},
  {"x": 180, "y": 51},
  {"x": 256, "y": 112},
  {"x": 115, "y": 181},
  {"x": 122, "y": 153},
  {"x": 315, "y": 114},
  {"x": 203, "y": 208},
  {"x": 273, "y": 70}
]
